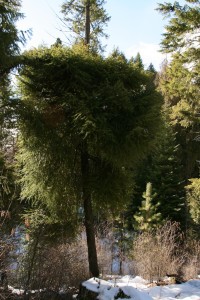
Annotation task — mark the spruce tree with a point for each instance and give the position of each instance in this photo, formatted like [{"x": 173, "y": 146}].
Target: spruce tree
[
  {"x": 168, "y": 178},
  {"x": 148, "y": 216},
  {"x": 164, "y": 168}
]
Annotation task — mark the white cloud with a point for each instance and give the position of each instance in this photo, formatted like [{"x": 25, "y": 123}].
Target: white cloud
[{"x": 149, "y": 54}]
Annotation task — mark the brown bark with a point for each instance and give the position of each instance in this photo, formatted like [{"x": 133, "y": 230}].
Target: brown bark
[
  {"x": 88, "y": 211},
  {"x": 87, "y": 23}
]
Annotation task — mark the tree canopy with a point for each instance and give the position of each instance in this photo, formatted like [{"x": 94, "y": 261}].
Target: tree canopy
[
  {"x": 86, "y": 20},
  {"x": 85, "y": 121},
  {"x": 10, "y": 36},
  {"x": 179, "y": 79},
  {"x": 182, "y": 31}
]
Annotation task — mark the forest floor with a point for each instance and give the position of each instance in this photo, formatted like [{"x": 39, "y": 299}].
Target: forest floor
[
  {"x": 137, "y": 288},
  {"x": 133, "y": 288}
]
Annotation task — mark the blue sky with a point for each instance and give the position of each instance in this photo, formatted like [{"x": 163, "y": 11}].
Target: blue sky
[{"x": 134, "y": 27}]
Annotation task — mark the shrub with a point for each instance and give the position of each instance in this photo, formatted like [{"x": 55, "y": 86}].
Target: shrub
[
  {"x": 157, "y": 252},
  {"x": 54, "y": 266},
  {"x": 191, "y": 268}
]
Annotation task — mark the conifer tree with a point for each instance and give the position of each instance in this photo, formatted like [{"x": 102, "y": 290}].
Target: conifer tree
[
  {"x": 10, "y": 40},
  {"x": 182, "y": 31},
  {"x": 179, "y": 80},
  {"x": 137, "y": 62},
  {"x": 164, "y": 168},
  {"x": 10, "y": 37},
  {"x": 148, "y": 216},
  {"x": 83, "y": 126},
  {"x": 86, "y": 20},
  {"x": 193, "y": 198},
  {"x": 151, "y": 68},
  {"x": 168, "y": 178}
]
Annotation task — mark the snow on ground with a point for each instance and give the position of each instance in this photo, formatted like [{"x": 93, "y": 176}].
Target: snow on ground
[{"x": 137, "y": 289}]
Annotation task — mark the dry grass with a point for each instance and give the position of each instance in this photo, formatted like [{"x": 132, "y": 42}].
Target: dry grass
[{"x": 157, "y": 252}]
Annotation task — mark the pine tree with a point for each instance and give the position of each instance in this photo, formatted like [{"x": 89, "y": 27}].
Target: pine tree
[
  {"x": 148, "y": 216},
  {"x": 10, "y": 37},
  {"x": 179, "y": 81},
  {"x": 10, "y": 40},
  {"x": 168, "y": 178},
  {"x": 164, "y": 168},
  {"x": 86, "y": 20},
  {"x": 151, "y": 68},
  {"x": 137, "y": 62},
  {"x": 182, "y": 32},
  {"x": 193, "y": 197},
  {"x": 82, "y": 126}
]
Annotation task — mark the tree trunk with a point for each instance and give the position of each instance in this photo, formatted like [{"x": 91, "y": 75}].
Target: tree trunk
[
  {"x": 87, "y": 23},
  {"x": 89, "y": 221}
]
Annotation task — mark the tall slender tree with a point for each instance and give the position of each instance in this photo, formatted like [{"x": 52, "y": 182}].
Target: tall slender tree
[{"x": 86, "y": 20}]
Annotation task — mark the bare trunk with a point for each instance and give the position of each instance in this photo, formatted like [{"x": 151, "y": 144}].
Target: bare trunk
[
  {"x": 89, "y": 221},
  {"x": 87, "y": 202},
  {"x": 87, "y": 23}
]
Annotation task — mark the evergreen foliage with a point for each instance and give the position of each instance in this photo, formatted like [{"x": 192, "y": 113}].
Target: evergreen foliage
[
  {"x": 9, "y": 192},
  {"x": 78, "y": 108},
  {"x": 86, "y": 20},
  {"x": 179, "y": 80},
  {"x": 84, "y": 121},
  {"x": 182, "y": 31},
  {"x": 148, "y": 216},
  {"x": 10, "y": 41},
  {"x": 151, "y": 68},
  {"x": 164, "y": 168},
  {"x": 10, "y": 37},
  {"x": 181, "y": 91},
  {"x": 137, "y": 62},
  {"x": 193, "y": 197},
  {"x": 118, "y": 55},
  {"x": 168, "y": 178}
]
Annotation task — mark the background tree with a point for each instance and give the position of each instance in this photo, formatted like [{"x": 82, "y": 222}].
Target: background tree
[
  {"x": 10, "y": 40},
  {"x": 94, "y": 124},
  {"x": 182, "y": 31},
  {"x": 193, "y": 197},
  {"x": 86, "y": 19},
  {"x": 137, "y": 62},
  {"x": 148, "y": 216},
  {"x": 10, "y": 37},
  {"x": 180, "y": 90},
  {"x": 179, "y": 79},
  {"x": 163, "y": 166}
]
